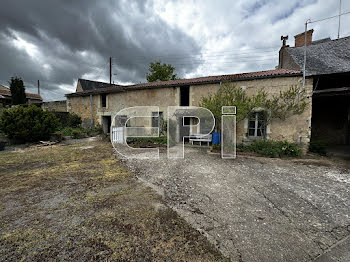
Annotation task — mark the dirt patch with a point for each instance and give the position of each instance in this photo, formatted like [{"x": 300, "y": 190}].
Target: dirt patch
[{"x": 78, "y": 202}]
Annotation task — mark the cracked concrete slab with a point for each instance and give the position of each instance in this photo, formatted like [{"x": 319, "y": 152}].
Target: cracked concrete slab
[
  {"x": 340, "y": 252},
  {"x": 255, "y": 209}
]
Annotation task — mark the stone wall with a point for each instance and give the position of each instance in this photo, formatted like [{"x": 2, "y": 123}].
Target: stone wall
[
  {"x": 55, "y": 106},
  {"x": 295, "y": 129},
  {"x": 162, "y": 97}
]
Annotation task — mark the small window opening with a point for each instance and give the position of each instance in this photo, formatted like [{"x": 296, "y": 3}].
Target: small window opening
[
  {"x": 103, "y": 100},
  {"x": 257, "y": 125}
]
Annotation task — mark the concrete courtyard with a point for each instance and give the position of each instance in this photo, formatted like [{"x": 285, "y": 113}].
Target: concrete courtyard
[{"x": 258, "y": 209}]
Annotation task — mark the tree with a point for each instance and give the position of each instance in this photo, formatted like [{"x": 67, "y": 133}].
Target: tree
[
  {"x": 160, "y": 72},
  {"x": 18, "y": 95},
  {"x": 287, "y": 103}
]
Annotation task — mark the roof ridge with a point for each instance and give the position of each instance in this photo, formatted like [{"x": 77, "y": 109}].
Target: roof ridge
[
  {"x": 225, "y": 75},
  {"x": 97, "y": 81},
  {"x": 196, "y": 81}
]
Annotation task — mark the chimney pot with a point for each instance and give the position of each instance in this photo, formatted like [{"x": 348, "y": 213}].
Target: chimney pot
[{"x": 300, "y": 38}]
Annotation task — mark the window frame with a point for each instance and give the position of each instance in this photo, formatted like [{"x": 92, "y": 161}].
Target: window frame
[{"x": 257, "y": 120}]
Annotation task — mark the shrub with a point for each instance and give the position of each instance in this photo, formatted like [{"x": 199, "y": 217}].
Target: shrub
[
  {"x": 73, "y": 132},
  {"x": 94, "y": 131},
  {"x": 28, "y": 124},
  {"x": 318, "y": 147},
  {"x": 274, "y": 148},
  {"x": 73, "y": 120},
  {"x": 162, "y": 140},
  {"x": 79, "y": 132}
]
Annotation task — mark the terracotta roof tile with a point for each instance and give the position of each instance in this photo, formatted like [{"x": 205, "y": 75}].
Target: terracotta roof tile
[
  {"x": 192, "y": 81},
  {"x": 7, "y": 93}
]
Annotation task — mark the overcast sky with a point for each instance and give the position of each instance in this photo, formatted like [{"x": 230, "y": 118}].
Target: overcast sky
[{"x": 59, "y": 41}]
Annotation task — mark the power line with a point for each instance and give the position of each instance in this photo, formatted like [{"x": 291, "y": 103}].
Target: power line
[
  {"x": 250, "y": 59},
  {"x": 209, "y": 55},
  {"x": 327, "y": 18}
]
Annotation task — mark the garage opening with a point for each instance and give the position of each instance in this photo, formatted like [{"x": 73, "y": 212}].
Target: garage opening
[
  {"x": 106, "y": 124},
  {"x": 331, "y": 112}
]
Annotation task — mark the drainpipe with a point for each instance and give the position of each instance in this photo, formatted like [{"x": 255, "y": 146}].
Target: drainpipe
[{"x": 92, "y": 112}]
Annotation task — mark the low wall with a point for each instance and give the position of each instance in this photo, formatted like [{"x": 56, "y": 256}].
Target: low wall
[{"x": 55, "y": 106}]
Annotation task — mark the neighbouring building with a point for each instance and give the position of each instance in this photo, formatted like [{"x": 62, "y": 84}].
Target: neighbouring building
[
  {"x": 97, "y": 103},
  {"x": 5, "y": 97},
  {"x": 328, "y": 66}
]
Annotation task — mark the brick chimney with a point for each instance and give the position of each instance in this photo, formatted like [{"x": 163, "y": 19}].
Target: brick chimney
[{"x": 300, "y": 38}]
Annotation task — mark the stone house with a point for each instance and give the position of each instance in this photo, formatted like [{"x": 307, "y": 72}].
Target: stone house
[{"x": 97, "y": 103}]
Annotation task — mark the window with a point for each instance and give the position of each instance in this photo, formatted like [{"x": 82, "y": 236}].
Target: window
[
  {"x": 103, "y": 100},
  {"x": 184, "y": 96},
  {"x": 256, "y": 125},
  {"x": 157, "y": 119}
]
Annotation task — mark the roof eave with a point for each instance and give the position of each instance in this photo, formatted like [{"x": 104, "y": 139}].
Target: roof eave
[{"x": 95, "y": 92}]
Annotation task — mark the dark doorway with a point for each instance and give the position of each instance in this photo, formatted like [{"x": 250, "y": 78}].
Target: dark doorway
[
  {"x": 330, "y": 118},
  {"x": 184, "y": 96},
  {"x": 106, "y": 124}
]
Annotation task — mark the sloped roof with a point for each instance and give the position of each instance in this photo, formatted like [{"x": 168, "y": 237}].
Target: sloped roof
[
  {"x": 6, "y": 93},
  {"x": 192, "y": 81},
  {"x": 87, "y": 85},
  {"x": 323, "y": 57}
]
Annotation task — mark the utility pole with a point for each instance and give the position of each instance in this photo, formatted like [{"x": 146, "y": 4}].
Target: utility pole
[
  {"x": 110, "y": 70},
  {"x": 339, "y": 18},
  {"x": 304, "y": 65},
  {"x": 38, "y": 87}
]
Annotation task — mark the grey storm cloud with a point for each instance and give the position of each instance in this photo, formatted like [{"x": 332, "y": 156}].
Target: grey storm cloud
[{"x": 60, "y": 41}]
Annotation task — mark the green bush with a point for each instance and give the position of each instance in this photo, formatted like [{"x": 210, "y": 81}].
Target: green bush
[
  {"x": 73, "y": 132},
  {"x": 162, "y": 140},
  {"x": 73, "y": 120},
  {"x": 28, "y": 124},
  {"x": 79, "y": 132},
  {"x": 318, "y": 147},
  {"x": 274, "y": 148},
  {"x": 268, "y": 148},
  {"x": 96, "y": 130}
]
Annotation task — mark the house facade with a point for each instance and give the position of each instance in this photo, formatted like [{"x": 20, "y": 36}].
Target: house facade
[{"x": 100, "y": 105}]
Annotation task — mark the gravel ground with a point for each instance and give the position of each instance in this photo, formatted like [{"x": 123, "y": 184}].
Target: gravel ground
[{"x": 254, "y": 208}]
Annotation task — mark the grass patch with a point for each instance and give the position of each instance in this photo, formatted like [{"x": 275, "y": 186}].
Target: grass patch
[{"x": 82, "y": 204}]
